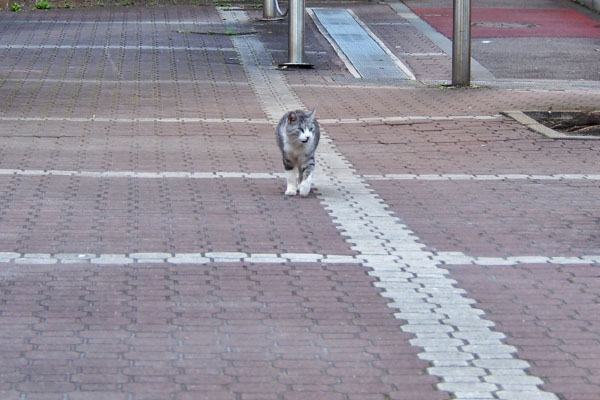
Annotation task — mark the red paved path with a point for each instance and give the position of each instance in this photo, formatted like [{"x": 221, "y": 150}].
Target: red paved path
[{"x": 516, "y": 22}]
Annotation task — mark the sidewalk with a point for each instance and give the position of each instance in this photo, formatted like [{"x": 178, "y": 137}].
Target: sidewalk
[{"x": 148, "y": 252}]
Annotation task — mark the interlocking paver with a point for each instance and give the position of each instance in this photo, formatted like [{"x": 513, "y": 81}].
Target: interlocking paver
[{"x": 148, "y": 252}]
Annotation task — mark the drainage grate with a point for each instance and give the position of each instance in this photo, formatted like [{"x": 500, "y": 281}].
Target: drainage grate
[
  {"x": 560, "y": 124},
  {"x": 366, "y": 53}
]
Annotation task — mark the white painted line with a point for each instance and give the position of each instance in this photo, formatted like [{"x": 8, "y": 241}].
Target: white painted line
[
  {"x": 188, "y": 120},
  {"x": 103, "y": 81},
  {"x": 407, "y": 118},
  {"x": 324, "y": 121},
  {"x": 112, "y": 22},
  {"x": 143, "y": 175},
  {"x": 478, "y": 177},
  {"x": 173, "y": 258},
  {"x": 109, "y": 47},
  {"x": 458, "y": 258},
  {"x": 424, "y": 54},
  {"x": 279, "y": 175},
  {"x": 390, "y": 279}
]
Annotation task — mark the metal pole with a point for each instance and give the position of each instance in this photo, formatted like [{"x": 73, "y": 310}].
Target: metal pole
[
  {"x": 296, "y": 35},
  {"x": 461, "y": 44},
  {"x": 270, "y": 11}
]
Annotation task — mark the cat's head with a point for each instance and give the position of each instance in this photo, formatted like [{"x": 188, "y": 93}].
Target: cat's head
[{"x": 301, "y": 125}]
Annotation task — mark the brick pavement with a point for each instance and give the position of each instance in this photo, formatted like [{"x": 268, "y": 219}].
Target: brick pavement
[{"x": 117, "y": 284}]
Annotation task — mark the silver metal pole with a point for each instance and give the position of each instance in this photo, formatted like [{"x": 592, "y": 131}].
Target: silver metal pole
[
  {"x": 461, "y": 44},
  {"x": 270, "y": 11},
  {"x": 296, "y": 35}
]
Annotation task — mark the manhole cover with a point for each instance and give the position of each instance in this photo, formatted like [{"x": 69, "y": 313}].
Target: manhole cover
[
  {"x": 503, "y": 25},
  {"x": 561, "y": 124}
]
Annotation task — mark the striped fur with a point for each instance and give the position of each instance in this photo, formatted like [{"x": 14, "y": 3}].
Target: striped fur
[{"x": 298, "y": 137}]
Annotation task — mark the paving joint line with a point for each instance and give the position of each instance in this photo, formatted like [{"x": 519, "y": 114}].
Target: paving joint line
[
  {"x": 124, "y": 81},
  {"x": 436, "y": 312},
  {"x": 203, "y": 258},
  {"x": 108, "y": 47},
  {"x": 325, "y": 121},
  {"x": 481, "y": 177},
  {"x": 279, "y": 175},
  {"x": 173, "y": 258},
  {"x": 459, "y": 258},
  {"x": 140, "y": 119}
]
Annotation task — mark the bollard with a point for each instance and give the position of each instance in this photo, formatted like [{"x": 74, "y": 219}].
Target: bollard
[
  {"x": 296, "y": 35},
  {"x": 461, "y": 44},
  {"x": 270, "y": 11}
]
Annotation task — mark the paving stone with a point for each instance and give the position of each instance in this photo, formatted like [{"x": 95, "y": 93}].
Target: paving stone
[
  {"x": 457, "y": 372},
  {"x": 180, "y": 165}
]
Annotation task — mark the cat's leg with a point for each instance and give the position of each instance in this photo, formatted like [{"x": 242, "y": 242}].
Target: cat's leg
[
  {"x": 291, "y": 175},
  {"x": 306, "y": 179}
]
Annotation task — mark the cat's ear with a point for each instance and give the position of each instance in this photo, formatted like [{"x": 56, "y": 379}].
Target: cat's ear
[
  {"x": 292, "y": 117},
  {"x": 311, "y": 114}
]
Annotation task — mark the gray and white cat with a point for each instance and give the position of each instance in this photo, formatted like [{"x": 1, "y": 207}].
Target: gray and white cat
[{"x": 298, "y": 137}]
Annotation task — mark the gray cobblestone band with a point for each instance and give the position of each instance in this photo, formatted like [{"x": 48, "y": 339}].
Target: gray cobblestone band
[
  {"x": 470, "y": 358},
  {"x": 142, "y": 175},
  {"x": 442, "y": 258},
  {"x": 278, "y": 175},
  {"x": 481, "y": 177},
  {"x": 459, "y": 258},
  {"x": 108, "y": 47},
  {"x": 322, "y": 121},
  {"x": 140, "y": 119},
  {"x": 172, "y": 258}
]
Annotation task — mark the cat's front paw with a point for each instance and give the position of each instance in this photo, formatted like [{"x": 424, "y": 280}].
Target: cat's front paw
[
  {"x": 290, "y": 191},
  {"x": 304, "y": 190}
]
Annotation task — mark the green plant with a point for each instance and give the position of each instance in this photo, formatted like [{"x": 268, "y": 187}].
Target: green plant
[
  {"x": 43, "y": 5},
  {"x": 16, "y": 7},
  {"x": 67, "y": 5},
  {"x": 100, "y": 4}
]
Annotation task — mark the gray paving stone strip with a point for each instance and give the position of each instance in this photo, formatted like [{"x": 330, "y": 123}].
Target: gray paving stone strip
[
  {"x": 173, "y": 258},
  {"x": 395, "y": 255},
  {"x": 279, "y": 175}
]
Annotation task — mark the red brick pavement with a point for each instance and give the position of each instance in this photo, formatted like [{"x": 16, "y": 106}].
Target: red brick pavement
[
  {"x": 500, "y": 219},
  {"x": 96, "y": 215},
  {"x": 285, "y": 331},
  {"x": 550, "y": 313},
  {"x": 216, "y": 331}
]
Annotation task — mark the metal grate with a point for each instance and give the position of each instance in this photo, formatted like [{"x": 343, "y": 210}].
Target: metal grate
[{"x": 365, "y": 54}]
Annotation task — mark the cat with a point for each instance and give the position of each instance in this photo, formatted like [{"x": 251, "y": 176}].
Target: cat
[{"x": 298, "y": 136}]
